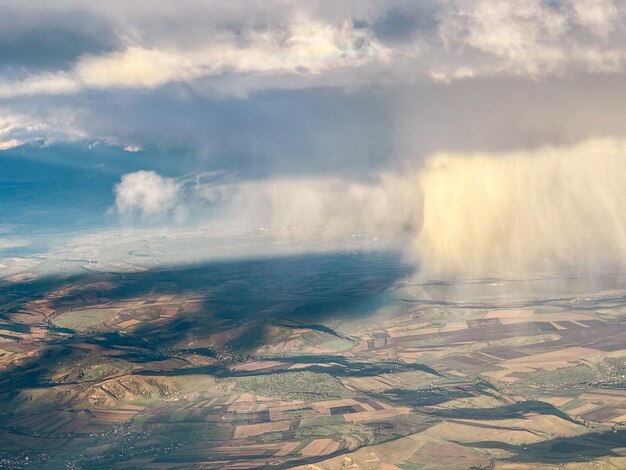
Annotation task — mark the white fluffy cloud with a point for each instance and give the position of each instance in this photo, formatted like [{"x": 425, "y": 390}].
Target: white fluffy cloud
[
  {"x": 12, "y": 126},
  {"x": 533, "y": 38},
  {"x": 600, "y": 17},
  {"x": 304, "y": 47},
  {"x": 9, "y": 144},
  {"x": 146, "y": 193},
  {"x": 17, "y": 129}
]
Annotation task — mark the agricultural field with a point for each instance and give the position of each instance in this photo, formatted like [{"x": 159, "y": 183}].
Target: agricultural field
[{"x": 320, "y": 362}]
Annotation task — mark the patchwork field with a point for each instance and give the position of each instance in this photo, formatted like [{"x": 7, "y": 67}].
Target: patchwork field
[{"x": 322, "y": 362}]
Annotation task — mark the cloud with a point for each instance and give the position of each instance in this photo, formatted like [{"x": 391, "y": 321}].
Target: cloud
[
  {"x": 242, "y": 46},
  {"x": 600, "y": 17},
  {"x": 281, "y": 205},
  {"x": 327, "y": 114},
  {"x": 23, "y": 126},
  {"x": 315, "y": 204},
  {"x": 145, "y": 193},
  {"x": 532, "y": 39},
  {"x": 398, "y": 25},
  {"x": 516, "y": 214},
  {"x": 7, "y": 243},
  {"x": 91, "y": 67},
  {"x": 41, "y": 37},
  {"x": 9, "y": 144},
  {"x": 304, "y": 47},
  {"x": 555, "y": 209}
]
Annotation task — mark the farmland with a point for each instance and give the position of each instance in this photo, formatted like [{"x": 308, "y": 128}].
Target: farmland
[{"x": 324, "y": 361}]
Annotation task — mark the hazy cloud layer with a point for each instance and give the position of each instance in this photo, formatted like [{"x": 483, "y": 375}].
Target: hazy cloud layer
[
  {"x": 552, "y": 210},
  {"x": 296, "y": 204}
]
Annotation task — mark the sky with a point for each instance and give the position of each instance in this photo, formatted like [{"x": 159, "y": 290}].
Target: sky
[{"x": 490, "y": 134}]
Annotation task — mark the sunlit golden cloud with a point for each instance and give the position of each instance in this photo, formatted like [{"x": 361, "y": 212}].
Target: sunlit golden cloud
[{"x": 516, "y": 214}]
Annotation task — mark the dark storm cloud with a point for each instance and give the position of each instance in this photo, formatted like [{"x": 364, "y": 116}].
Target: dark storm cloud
[
  {"x": 404, "y": 23},
  {"x": 506, "y": 114},
  {"x": 354, "y": 134},
  {"x": 299, "y": 131},
  {"x": 48, "y": 39},
  {"x": 287, "y": 87}
]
